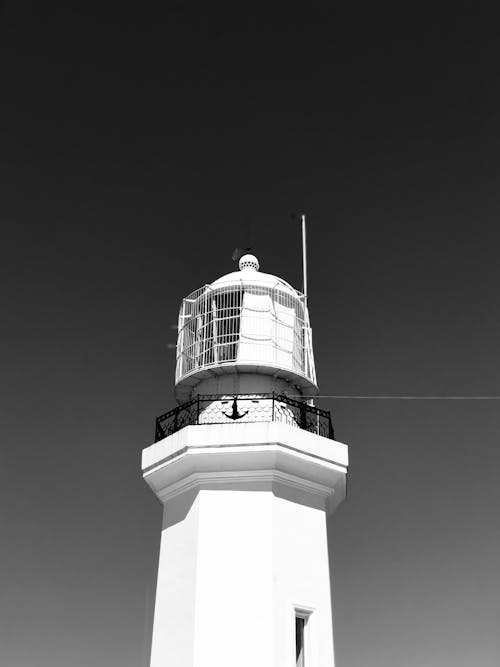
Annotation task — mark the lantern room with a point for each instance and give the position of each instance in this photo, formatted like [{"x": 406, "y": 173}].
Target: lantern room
[{"x": 247, "y": 331}]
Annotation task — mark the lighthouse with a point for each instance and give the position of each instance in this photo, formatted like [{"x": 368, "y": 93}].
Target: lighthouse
[{"x": 247, "y": 470}]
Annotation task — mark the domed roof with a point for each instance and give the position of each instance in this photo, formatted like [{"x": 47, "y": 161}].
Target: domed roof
[{"x": 249, "y": 274}]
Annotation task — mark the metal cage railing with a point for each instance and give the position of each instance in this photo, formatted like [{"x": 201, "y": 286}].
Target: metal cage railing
[{"x": 244, "y": 323}]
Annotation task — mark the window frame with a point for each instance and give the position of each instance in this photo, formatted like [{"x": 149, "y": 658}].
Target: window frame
[{"x": 305, "y": 613}]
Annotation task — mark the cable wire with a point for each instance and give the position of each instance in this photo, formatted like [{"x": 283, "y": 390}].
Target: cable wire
[{"x": 394, "y": 397}]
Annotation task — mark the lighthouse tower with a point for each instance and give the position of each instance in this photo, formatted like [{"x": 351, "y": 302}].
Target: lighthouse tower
[{"x": 247, "y": 470}]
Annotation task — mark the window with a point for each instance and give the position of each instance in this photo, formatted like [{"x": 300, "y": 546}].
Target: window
[
  {"x": 300, "y": 636},
  {"x": 226, "y": 323}
]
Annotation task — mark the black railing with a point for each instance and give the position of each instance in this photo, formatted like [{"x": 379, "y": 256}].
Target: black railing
[{"x": 245, "y": 408}]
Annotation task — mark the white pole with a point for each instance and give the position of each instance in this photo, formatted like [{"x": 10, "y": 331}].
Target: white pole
[{"x": 304, "y": 253}]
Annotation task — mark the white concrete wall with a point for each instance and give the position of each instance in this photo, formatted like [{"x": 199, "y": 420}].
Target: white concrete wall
[
  {"x": 244, "y": 383},
  {"x": 231, "y": 573},
  {"x": 244, "y": 542},
  {"x": 234, "y": 610},
  {"x": 174, "y": 618},
  {"x": 301, "y": 579}
]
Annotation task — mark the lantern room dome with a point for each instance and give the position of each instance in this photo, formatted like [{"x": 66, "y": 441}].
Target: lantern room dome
[
  {"x": 254, "y": 278},
  {"x": 249, "y": 274},
  {"x": 245, "y": 323}
]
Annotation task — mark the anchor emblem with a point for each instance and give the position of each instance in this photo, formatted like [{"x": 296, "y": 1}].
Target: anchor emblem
[{"x": 234, "y": 413}]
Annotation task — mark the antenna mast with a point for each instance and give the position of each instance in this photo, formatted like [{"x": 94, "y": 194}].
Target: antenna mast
[{"x": 304, "y": 253}]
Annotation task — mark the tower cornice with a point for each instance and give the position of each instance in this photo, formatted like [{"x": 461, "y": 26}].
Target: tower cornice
[{"x": 304, "y": 466}]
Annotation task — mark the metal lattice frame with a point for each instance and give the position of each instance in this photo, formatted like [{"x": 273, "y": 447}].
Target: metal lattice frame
[{"x": 277, "y": 329}]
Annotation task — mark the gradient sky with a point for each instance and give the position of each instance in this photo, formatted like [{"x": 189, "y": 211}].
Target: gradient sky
[{"x": 137, "y": 149}]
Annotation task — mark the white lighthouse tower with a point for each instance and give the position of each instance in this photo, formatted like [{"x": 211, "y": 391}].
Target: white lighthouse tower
[{"x": 247, "y": 470}]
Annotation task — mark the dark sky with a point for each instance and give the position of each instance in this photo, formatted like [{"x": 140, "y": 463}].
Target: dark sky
[{"x": 138, "y": 147}]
